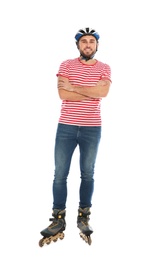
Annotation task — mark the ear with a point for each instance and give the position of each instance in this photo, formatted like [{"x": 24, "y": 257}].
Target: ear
[
  {"x": 97, "y": 46},
  {"x": 77, "y": 45}
]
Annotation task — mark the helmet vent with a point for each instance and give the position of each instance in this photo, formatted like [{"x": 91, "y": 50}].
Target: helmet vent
[{"x": 87, "y": 30}]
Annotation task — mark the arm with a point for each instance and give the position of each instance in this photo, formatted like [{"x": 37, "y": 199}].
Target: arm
[
  {"x": 99, "y": 90},
  {"x": 66, "y": 94}
]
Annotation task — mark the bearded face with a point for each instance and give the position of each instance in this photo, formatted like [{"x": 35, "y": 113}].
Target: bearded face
[{"x": 87, "y": 46}]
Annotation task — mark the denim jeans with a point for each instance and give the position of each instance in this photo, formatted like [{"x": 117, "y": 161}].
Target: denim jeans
[{"x": 67, "y": 138}]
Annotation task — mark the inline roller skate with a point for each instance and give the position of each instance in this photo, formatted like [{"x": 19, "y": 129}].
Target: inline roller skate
[
  {"x": 55, "y": 229},
  {"x": 83, "y": 225}
]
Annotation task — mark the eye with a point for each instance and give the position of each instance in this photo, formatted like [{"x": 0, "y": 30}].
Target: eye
[
  {"x": 92, "y": 41},
  {"x": 84, "y": 41}
]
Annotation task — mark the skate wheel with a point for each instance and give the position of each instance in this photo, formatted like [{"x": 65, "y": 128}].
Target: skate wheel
[
  {"x": 41, "y": 242},
  {"x": 61, "y": 236},
  {"x": 89, "y": 240}
]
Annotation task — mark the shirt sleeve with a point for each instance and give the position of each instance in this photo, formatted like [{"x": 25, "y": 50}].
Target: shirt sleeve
[
  {"x": 106, "y": 73},
  {"x": 64, "y": 69}
]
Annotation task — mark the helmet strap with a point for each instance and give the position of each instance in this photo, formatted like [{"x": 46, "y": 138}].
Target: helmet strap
[{"x": 86, "y": 58}]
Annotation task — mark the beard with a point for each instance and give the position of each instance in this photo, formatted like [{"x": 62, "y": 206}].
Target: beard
[{"x": 84, "y": 54}]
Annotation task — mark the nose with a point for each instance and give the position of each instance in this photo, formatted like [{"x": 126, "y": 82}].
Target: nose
[{"x": 87, "y": 44}]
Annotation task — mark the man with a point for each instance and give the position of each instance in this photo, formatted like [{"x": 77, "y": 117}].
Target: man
[{"x": 82, "y": 83}]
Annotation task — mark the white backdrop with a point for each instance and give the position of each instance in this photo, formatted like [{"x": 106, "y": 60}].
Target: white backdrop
[{"x": 35, "y": 36}]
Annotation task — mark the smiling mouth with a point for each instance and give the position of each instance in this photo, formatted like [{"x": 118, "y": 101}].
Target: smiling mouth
[{"x": 87, "y": 49}]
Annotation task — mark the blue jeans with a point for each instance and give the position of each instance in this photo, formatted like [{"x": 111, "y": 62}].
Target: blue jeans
[{"x": 67, "y": 138}]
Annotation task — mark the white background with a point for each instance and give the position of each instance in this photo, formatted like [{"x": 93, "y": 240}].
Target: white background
[{"x": 35, "y": 37}]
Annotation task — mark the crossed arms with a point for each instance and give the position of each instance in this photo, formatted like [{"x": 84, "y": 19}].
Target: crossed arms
[{"x": 71, "y": 92}]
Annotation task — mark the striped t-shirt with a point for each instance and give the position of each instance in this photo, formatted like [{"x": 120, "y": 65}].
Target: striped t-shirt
[{"x": 88, "y": 111}]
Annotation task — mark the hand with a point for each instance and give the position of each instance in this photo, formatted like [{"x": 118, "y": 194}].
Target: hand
[
  {"x": 101, "y": 83},
  {"x": 64, "y": 84}
]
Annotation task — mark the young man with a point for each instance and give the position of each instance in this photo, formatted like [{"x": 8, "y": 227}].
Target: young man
[{"x": 82, "y": 83}]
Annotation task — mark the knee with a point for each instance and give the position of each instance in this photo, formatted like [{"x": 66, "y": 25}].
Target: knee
[
  {"x": 87, "y": 176},
  {"x": 60, "y": 177}
]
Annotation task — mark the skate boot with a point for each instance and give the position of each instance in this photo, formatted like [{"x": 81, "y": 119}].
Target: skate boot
[
  {"x": 83, "y": 225},
  {"x": 55, "y": 229}
]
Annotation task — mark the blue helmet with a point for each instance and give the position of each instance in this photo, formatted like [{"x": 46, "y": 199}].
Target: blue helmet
[{"x": 86, "y": 31}]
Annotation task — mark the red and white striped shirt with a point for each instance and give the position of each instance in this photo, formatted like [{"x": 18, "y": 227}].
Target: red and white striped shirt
[{"x": 85, "y": 112}]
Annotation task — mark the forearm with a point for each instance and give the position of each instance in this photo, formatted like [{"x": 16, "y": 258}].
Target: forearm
[
  {"x": 100, "y": 90},
  {"x": 71, "y": 95}
]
